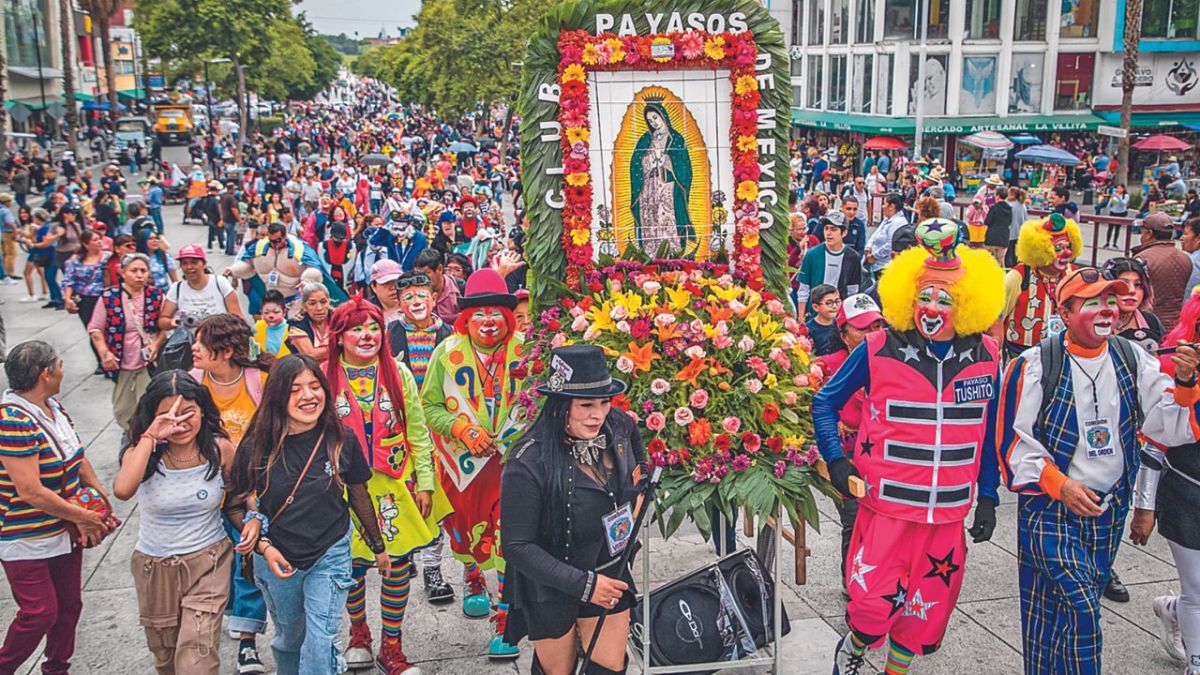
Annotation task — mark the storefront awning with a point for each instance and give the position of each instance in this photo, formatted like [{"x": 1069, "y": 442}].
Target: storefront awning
[
  {"x": 44, "y": 73},
  {"x": 1154, "y": 120},
  {"x": 131, "y": 93},
  {"x": 902, "y": 126},
  {"x": 32, "y": 105}
]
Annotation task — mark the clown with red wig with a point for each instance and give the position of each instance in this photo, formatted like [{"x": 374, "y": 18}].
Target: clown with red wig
[
  {"x": 377, "y": 400},
  {"x": 470, "y": 399}
]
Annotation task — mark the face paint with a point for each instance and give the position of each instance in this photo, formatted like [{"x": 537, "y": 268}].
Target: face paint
[
  {"x": 361, "y": 343},
  {"x": 1092, "y": 321},
  {"x": 272, "y": 314},
  {"x": 487, "y": 327},
  {"x": 416, "y": 302},
  {"x": 1062, "y": 252},
  {"x": 1137, "y": 292},
  {"x": 935, "y": 312}
]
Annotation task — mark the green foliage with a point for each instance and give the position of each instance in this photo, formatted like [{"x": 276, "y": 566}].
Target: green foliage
[
  {"x": 268, "y": 125},
  {"x": 289, "y": 67},
  {"x": 344, "y": 44}
]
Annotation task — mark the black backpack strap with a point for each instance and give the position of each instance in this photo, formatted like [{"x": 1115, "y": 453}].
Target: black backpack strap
[
  {"x": 1128, "y": 357},
  {"x": 1051, "y": 353},
  {"x": 1024, "y": 276}
]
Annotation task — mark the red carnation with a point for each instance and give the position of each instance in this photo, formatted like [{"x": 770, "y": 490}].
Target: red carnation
[
  {"x": 656, "y": 445},
  {"x": 775, "y": 444},
  {"x": 722, "y": 442},
  {"x": 751, "y": 441}
]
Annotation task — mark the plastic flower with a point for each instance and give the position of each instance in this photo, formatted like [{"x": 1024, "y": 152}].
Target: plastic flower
[
  {"x": 770, "y": 412},
  {"x": 659, "y": 386},
  {"x": 691, "y": 44},
  {"x": 574, "y": 72},
  {"x": 656, "y": 421},
  {"x": 581, "y": 135},
  {"x": 714, "y": 48},
  {"x": 590, "y": 55},
  {"x": 731, "y": 424},
  {"x": 698, "y": 399},
  {"x": 577, "y": 179},
  {"x": 746, "y": 190},
  {"x": 746, "y": 143},
  {"x": 744, "y": 84},
  {"x": 684, "y": 416},
  {"x": 752, "y": 442}
]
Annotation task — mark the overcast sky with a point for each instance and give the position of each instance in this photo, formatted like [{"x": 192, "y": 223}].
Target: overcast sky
[{"x": 366, "y": 17}]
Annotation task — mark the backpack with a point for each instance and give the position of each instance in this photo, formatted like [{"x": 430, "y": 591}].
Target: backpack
[{"x": 1051, "y": 351}]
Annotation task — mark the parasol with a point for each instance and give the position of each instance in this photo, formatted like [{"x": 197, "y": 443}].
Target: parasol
[
  {"x": 884, "y": 143},
  {"x": 375, "y": 159},
  {"x": 988, "y": 140},
  {"x": 1161, "y": 142},
  {"x": 1047, "y": 154},
  {"x": 1025, "y": 138}
]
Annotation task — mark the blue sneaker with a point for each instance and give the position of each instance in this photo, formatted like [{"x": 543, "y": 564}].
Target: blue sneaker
[
  {"x": 498, "y": 649},
  {"x": 476, "y": 603}
]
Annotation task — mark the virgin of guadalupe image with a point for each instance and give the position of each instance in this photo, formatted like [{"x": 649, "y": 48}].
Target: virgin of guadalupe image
[{"x": 661, "y": 179}]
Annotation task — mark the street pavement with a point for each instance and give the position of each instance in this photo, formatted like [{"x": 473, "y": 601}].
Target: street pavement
[{"x": 983, "y": 638}]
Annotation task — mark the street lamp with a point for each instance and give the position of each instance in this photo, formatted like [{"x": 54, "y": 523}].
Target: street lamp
[{"x": 212, "y": 160}]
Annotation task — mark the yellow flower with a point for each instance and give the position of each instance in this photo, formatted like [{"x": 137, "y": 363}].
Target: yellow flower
[
  {"x": 677, "y": 298},
  {"x": 618, "y": 49},
  {"x": 797, "y": 441},
  {"x": 746, "y": 143},
  {"x": 744, "y": 84},
  {"x": 577, "y": 179},
  {"x": 590, "y": 56},
  {"x": 750, "y": 240},
  {"x": 601, "y": 315},
  {"x": 714, "y": 48},
  {"x": 581, "y": 236},
  {"x": 574, "y": 73},
  {"x": 747, "y": 190},
  {"x": 770, "y": 380},
  {"x": 726, "y": 294},
  {"x": 630, "y": 301},
  {"x": 581, "y": 134}
]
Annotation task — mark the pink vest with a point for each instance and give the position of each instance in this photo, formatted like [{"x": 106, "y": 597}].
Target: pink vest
[{"x": 923, "y": 426}]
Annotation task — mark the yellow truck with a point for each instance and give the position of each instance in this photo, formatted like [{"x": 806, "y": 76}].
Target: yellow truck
[{"x": 173, "y": 123}]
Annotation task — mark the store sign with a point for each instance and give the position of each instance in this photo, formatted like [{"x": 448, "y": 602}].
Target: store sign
[
  {"x": 1115, "y": 132},
  {"x": 1008, "y": 126},
  {"x": 1162, "y": 79}
]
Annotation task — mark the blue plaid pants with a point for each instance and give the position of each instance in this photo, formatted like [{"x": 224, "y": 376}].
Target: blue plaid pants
[{"x": 1064, "y": 563}]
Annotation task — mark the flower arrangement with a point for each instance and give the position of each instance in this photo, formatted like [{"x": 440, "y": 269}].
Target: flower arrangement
[
  {"x": 719, "y": 377},
  {"x": 580, "y": 52}
]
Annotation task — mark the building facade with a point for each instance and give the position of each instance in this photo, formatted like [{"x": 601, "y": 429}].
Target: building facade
[{"x": 33, "y": 56}]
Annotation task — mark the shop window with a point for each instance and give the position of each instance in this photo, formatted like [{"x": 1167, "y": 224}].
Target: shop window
[
  {"x": 123, "y": 67},
  {"x": 978, "y": 96},
  {"x": 26, "y": 35},
  {"x": 839, "y": 21},
  {"x": 862, "y": 83},
  {"x": 814, "y": 82},
  {"x": 902, "y": 19},
  {"x": 1073, "y": 83},
  {"x": 1171, "y": 19},
  {"x": 933, "y": 91},
  {"x": 816, "y": 22},
  {"x": 1025, "y": 87},
  {"x": 798, "y": 7},
  {"x": 1030, "y": 21},
  {"x": 797, "y": 95},
  {"x": 883, "y": 84},
  {"x": 837, "y": 83},
  {"x": 983, "y": 20},
  {"x": 864, "y": 29},
  {"x": 1080, "y": 18}
]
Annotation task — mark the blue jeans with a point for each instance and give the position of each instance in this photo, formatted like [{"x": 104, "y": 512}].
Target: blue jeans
[
  {"x": 156, "y": 216},
  {"x": 56, "y": 295},
  {"x": 307, "y": 609},
  {"x": 247, "y": 610},
  {"x": 231, "y": 238}
]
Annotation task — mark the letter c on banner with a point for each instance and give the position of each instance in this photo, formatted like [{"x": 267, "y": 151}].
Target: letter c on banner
[{"x": 553, "y": 203}]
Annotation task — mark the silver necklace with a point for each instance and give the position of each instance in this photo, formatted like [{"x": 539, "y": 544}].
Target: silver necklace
[{"x": 230, "y": 383}]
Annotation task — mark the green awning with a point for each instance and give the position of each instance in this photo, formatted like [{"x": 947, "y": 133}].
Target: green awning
[
  {"x": 1153, "y": 120},
  {"x": 906, "y": 126},
  {"x": 80, "y": 96},
  {"x": 32, "y": 105},
  {"x": 131, "y": 93}
]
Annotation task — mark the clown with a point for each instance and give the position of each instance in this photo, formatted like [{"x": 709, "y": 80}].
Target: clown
[
  {"x": 925, "y": 445},
  {"x": 1046, "y": 250},
  {"x": 470, "y": 395},
  {"x": 469, "y": 217},
  {"x": 377, "y": 401}
]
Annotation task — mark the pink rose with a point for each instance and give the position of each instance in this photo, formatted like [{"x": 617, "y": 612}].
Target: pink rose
[
  {"x": 659, "y": 386},
  {"x": 746, "y": 343},
  {"x": 580, "y": 324},
  {"x": 664, "y": 320},
  {"x": 754, "y": 386},
  {"x": 623, "y": 326},
  {"x": 684, "y": 416},
  {"x": 816, "y": 373},
  {"x": 731, "y": 424},
  {"x": 775, "y": 307},
  {"x": 656, "y": 421},
  {"x": 619, "y": 312},
  {"x": 651, "y": 287},
  {"x": 698, "y": 399},
  {"x": 694, "y": 352},
  {"x": 561, "y": 339},
  {"x": 801, "y": 380},
  {"x": 625, "y": 365},
  {"x": 752, "y": 442},
  {"x": 790, "y": 398}
]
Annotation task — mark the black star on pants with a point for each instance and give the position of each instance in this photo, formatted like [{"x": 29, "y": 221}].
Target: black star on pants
[
  {"x": 898, "y": 600},
  {"x": 866, "y": 447},
  {"x": 942, "y": 568}
]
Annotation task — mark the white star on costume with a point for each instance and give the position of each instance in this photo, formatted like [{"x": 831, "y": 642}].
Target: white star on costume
[
  {"x": 1034, "y": 301},
  {"x": 918, "y": 607},
  {"x": 965, "y": 356},
  {"x": 910, "y": 353},
  {"x": 874, "y": 412},
  {"x": 859, "y": 569}
]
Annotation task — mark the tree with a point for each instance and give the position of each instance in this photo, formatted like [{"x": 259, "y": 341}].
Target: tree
[
  {"x": 102, "y": 12},
  {"x": 344, "y": 44},
  {"x": 232, "y": 29},
  {"x": 66, "y": 18},
  {"x": 1133, "y": 34},
  {"x": 289, "y": 67},
  {"x": 3, "y": 97}
]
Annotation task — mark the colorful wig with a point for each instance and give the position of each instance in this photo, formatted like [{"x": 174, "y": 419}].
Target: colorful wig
[
  {"x": 354, "y": 312},
  {"x": 1034, "y": 245},
  {"x": 978, "y": 293},
  {"x": 1186, "y": 330}
]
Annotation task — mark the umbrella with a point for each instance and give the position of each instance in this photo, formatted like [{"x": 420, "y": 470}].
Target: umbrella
[
  {"x": 462, "y": 147},
  {"x": 1025, "y": 139},
  {"x": 988, "y": 140},
  {"x": 884, "y": 143},
  {"x": 375, "y": 158},
  {"x": 1161, "y": 142},
  {"x": 1047, "y": 154}
]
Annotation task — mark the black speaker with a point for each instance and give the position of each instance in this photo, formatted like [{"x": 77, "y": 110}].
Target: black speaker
[{"x": 719, "y": 612}]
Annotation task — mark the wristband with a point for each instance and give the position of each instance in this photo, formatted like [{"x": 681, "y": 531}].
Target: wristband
[
  {"x": 261, "y": 517},
  {"x": 375, "y": 545},
  {"x": 261, "y": 546},
  {"x": 1186, "y": 384},
  {"x": 589, "y": 586}
]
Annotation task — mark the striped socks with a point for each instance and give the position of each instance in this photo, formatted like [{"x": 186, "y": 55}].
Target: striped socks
[
  {"x": 501, "y": 603},
  {"x": 899, "y": 660},
  {"x": 356, "y": 601},
  {"x": 393, "y": 596},
  {"x": 857, "y": 646}
]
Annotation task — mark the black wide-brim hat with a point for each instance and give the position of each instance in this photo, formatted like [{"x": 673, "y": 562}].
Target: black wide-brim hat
[
  {"x": 486, "y": 288},
  {"x": 580, "y": 371}
]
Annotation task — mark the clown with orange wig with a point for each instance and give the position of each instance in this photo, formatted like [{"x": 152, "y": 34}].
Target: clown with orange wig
[
  {"x": 377, "y": 400},
  {"x": 926, "y": 445},
  {"x": 470, "y": 399}
]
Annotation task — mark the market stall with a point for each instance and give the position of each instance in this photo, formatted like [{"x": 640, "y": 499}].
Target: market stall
[
  {"x": 980, "y": 155},
  {"x": 1052, "y": 164}
]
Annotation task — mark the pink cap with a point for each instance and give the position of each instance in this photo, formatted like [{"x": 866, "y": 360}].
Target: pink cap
[
  {"x": 859, "y": 310},
  {"x": 192, "y": 251},
  {"x": 386, "y": 271}
]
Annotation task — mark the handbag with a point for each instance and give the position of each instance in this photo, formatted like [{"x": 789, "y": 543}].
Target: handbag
[{"x": 247, "y": 566}]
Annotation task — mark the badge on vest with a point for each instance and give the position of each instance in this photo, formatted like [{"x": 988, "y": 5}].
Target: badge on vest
[
  {"x": 974, "y": 389},
  {"x": 618, "y": 525},
  {"x": 1098, "y": 435}
]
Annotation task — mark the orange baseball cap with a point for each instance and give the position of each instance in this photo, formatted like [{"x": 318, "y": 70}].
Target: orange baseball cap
[{"x": 1087, "y": 282}]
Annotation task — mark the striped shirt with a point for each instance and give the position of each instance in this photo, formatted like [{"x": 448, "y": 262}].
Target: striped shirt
[
  {"x": 420, "y": 348},
  {"x": 21, "y": 436}
]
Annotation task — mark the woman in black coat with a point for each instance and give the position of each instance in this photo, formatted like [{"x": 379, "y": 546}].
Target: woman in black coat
[{"x": 567, "y": 499}]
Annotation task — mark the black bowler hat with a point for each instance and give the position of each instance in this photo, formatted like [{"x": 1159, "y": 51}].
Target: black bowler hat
[{"x": 580, "y": 371}]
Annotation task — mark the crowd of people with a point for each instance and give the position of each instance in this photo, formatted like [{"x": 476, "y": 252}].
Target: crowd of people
[{"x": 341, "y": 397}]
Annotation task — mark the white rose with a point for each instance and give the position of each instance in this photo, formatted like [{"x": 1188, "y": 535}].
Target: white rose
[
  {"x": 619, "y": 312},
  {"x": 660, "y": 386},
  {"x": 623, "y": 326},
  {"x": 651, "y": 287},
  {"x": 754, "y": 386},
  {"x": 694, "y": 352},
  {"x": 746, "y": 343},
  {"x": 664, "y": 320},
  {"x": 624, "y": 364}
]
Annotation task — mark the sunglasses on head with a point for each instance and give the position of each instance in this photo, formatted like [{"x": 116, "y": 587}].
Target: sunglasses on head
[{"x": 414, "y": 280}]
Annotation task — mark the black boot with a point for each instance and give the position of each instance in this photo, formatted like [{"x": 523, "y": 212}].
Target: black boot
[
  {"x": 596, "y": 669},
  {"x": 1115, "y": 590}
]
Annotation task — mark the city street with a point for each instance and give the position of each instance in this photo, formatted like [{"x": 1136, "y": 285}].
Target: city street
[{"x": 984, "y": 635}]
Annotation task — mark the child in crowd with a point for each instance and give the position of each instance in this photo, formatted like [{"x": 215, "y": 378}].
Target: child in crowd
[
  {"x": 271, "y": 331},
  {"x": 821, "y": 328}
]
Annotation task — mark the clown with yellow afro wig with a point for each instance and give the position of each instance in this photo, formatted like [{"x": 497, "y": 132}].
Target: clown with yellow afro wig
[
  {"x": 1046, "y": 251},
  {"x": 923, "y": 454}
]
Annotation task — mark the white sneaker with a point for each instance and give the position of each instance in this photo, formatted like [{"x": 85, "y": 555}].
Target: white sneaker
[
  {"x": 30, "y": 298},
  {"x": 10, "y": 281},
  {"x": 1169, "y": 637}
]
